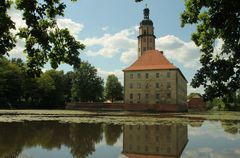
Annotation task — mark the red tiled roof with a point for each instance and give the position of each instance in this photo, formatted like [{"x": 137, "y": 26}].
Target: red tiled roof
[
  {"x": 146, "y": 156},
  {"x": 151, "y": 60}
]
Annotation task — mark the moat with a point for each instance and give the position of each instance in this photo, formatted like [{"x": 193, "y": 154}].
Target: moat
[{"x": 59, "y": 134}]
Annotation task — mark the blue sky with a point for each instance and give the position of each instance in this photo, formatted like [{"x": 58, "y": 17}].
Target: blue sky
[{"x": 109, "y": 29}]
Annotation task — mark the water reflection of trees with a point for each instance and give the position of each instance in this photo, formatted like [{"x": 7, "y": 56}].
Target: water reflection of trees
[
  {"x": 80, "y": 138},
  {"x": 232, "y": 127},
  {"x": 11, "y": 142},
  {"x": 196, "y": 123},
  {"x": 112, "y": 133},
  {"x": 83, "y": 138}
]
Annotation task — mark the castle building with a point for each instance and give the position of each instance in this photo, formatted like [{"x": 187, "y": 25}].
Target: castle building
[{"x": 152, "y": 79}]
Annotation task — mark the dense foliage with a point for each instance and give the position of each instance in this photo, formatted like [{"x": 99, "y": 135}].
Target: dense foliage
[
  {"x": 220, "y": 71},
  {"x": 52, "y": 89},
  {"x": 113, "y": 89},
  {"x": 7, "y": 39},
  {"x": 87, "y": 86},
  {"x": 44, "y": 40},
  {"x": 11, "y": 78}
]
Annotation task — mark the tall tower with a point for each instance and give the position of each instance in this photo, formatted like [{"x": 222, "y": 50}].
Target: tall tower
[{"x": 146, "y": 38}]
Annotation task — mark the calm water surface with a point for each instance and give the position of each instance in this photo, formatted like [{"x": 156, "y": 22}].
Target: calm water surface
[{"x": 61, "y": 140}]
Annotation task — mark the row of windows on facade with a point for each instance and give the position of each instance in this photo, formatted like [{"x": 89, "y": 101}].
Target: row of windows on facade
[
  {"x": 168, "y": 149},
  {"x": 147, "y": 85},
  {"x": 147, "y": 96},
  {"x": 146, "y": 127},
  {"x": 147, "y": 138},
  {"x": 139, "y": 75}
]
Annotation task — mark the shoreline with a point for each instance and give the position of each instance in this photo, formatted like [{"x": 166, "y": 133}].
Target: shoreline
[{"x": 126, "y": 117}]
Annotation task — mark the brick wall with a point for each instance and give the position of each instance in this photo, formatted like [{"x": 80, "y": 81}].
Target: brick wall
[
  {"x": 197, "y": 104},
  {"x": 127, "y": 107}
]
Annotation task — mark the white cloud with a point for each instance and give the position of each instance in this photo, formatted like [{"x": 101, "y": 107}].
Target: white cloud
[
  {"x": 129, "y": 55},
  {"x": 16, "y": 17},
  {"x": 210, "y": 153},
  {"x": 73, "y": 27},
  {"x": 17, "y": 51},
  {"x": 175, "y": 49},
  {"x": 237, "y": 151},
  {"x": 104, "y": 74},
  {"x": 218, "y": 50},
  {"x": 110, "y": 45},
  {"x": 205, "y": 150},
  {"x": 105, "y": 28},
  {"x": 195, "y": 90},
  {"x": 218, "y": 45},
  {"x": 213, "y": 130}
]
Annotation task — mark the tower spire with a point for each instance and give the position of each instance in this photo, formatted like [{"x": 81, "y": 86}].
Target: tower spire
[{"x": 146, "y": 12}]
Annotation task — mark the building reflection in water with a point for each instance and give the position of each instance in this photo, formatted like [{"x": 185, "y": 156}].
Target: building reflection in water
[{"x": 154, "y": 141}]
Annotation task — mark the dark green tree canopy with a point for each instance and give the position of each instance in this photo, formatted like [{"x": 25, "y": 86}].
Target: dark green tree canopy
[
  {"x": 18, "y": 90},
  {"x": 7, "y": 39},
  {"x": 87, "y": 86},
  {"x": 113, "y": 89},
  {"x": 216, "y": 19},
  {"x": 10, "y": 82}
]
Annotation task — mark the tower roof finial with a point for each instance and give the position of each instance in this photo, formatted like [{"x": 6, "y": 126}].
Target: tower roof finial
[{"x": 146, "y": 13}]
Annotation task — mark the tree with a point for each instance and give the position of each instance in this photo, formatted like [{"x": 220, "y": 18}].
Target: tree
[
  {"x": 217, "y": 102},
  {"x": 83, "y": 138},
  {"x": 113, "y": 89},
  {"x": 46, "y": 87},
  {"x": 44, "y": 40},
  {"x": 68, "y": 82},
  {"x": 220, "y": 72},
  {"x": 30, "y": 90},
  {"x": 57, "y": 95},
  {"x": 87, "y": 86},
  {"x": 230, "y": 127},
  {"x": 11, "y": 79},
  {"x": 7, "y": 39},
  {"x": 112, "y": 133}
]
